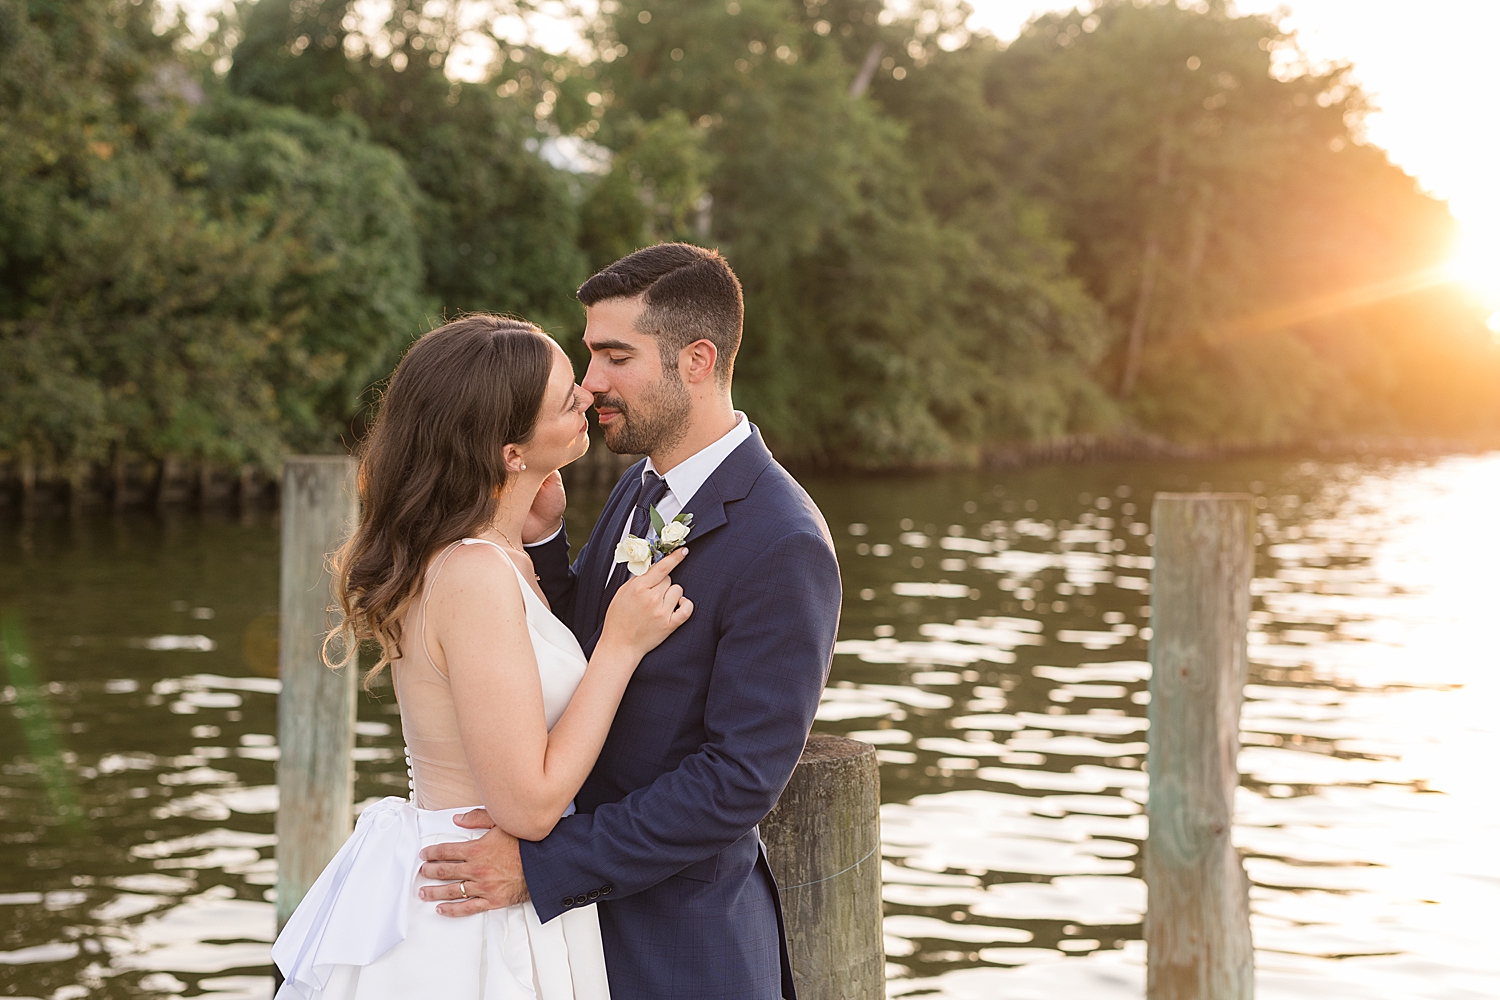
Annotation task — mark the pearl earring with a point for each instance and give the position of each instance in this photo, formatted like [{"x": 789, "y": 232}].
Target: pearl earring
[{"x": 523, "y": 466}]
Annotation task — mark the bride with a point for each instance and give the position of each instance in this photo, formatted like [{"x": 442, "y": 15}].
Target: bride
[{"x": 499, "y": 707}]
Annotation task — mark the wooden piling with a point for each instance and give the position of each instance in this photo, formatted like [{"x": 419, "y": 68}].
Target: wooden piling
[
  {"x": 315, "y": 726},
  {"x": 1198, "y": 910},
  {"x": 823, "y": 843}
]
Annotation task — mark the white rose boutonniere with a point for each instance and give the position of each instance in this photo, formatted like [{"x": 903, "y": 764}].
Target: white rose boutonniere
[
  {"x": 674, "y": 533},
  {"x": 639, "y": 553},
  {"x": 636, "y": 552}
]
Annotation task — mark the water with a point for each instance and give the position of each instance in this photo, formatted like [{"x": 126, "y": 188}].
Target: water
[{"x": 992, "y": 647}]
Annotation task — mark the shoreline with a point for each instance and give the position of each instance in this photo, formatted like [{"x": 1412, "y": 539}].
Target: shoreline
[
  {"x": 171, "y": 483},
  {"x": 1084, "y": 449},
  {"x": 1089, "y": 448}
]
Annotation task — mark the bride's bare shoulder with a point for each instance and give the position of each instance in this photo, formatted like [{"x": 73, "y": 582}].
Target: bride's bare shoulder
[{"x": 476, "y": 578}]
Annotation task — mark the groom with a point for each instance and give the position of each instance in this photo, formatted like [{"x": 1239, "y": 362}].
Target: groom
[{"x": 665, "y": 841}]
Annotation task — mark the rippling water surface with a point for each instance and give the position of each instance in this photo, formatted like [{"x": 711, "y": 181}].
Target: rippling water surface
[{"x": 992, "y": 648}]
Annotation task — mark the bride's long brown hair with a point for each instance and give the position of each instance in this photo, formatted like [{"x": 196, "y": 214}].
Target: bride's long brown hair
[{"x": 432, "y": 467}]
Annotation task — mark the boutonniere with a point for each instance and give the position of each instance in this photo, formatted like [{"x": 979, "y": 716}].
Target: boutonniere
[{"x": 639, "y": 553}]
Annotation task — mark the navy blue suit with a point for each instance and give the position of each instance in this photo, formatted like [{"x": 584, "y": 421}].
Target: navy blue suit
[{"x": 665, "y": 839}]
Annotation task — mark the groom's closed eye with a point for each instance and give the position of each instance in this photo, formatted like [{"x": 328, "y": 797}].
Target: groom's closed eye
[{"x": 615, "y": 351}]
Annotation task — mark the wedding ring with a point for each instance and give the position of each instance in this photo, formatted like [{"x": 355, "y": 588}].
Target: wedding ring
[{"x": 462, "y": 891}]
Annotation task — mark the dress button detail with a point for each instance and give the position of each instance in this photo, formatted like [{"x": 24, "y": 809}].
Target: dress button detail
[
  {"x": 607, "y": 890},
  {"x": 594, "y": 894},
  {"x": 567, "y": 900}
]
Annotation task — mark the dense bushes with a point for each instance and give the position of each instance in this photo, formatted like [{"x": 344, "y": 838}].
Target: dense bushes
[
  {"x": 218, "y": 284},
  {"x": 1123, "y": 222}
]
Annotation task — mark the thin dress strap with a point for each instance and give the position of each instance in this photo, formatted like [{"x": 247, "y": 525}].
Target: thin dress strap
[
  {"x": 442, "y": 561},
  {"x": 422, "y": 610},
  {"x": 494, "y": 545}
]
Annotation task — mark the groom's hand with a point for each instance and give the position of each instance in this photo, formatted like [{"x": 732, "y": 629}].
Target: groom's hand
[
  {"x": 547, "y": 510},
  {"x": 483, "y": 874}
]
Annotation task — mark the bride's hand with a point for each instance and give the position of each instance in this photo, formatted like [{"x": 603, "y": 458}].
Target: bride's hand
[
  {"x": 647, "y": 609},
  {"x": 546, "y": 514}
]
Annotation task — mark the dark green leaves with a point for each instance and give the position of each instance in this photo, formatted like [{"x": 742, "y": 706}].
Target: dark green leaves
[{"x": 1121, "y": 223}]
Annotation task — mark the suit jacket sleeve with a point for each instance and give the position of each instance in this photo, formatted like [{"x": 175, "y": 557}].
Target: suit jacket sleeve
[
  {"x": 559, "y": 580},
  {"x": 774, "y": 651}
]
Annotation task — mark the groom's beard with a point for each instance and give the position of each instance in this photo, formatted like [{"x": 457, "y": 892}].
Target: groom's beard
[{"x": 655, "y": 423}]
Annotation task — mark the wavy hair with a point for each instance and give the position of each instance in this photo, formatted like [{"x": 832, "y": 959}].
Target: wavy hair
[{"x": 432, "y": 467}]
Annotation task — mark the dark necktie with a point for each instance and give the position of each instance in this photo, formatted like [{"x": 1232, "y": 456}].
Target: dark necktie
[{"x": 653, "y": 488}]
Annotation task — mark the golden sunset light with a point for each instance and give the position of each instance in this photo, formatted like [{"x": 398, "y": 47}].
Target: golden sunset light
[
  {"x": 1422, "y": 66},
  {"x": 1053, "y": 447},
  {"x": 1476, "y": 263}
]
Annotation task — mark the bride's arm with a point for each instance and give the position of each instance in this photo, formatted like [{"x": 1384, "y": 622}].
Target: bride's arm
[{"x": 526, "y": 776}]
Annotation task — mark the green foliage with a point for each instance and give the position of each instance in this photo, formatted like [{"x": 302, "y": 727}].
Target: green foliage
[
  {"x": 340, "y": 211},
  {"x": 1214, "y": 206},
  {"x": 880, "y": 331},
  {"x": 1125, "y": 221},
  {"x": 221, "y": 285},
  {"x": 498, "y": 225}
]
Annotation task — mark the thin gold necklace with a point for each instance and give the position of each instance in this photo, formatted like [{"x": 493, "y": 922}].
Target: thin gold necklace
[{"x": 535, "y": 576}]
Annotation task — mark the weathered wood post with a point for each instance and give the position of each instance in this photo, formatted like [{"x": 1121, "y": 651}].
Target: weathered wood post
[
  {"x": 315, "y": 724},
  {"x": 1198, "y": 907},
  {"x": 823, "y": 842}
]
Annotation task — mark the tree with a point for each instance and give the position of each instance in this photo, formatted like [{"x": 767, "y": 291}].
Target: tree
[
  {"x": 878, "y": 332},
  {"x": 1206, "y": 195},
  {"x": 1127, "y": 219},
  {"x": 498, "y": 224},
  {"x": 219, "y": 284},
  {"x": 342, "y": 214}
]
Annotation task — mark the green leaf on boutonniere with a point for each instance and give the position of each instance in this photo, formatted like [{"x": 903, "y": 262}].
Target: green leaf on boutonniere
[
  {"x": 657, "y": 521},
  {"x": 684, "y": 518},
  {"x": 673, "y": 534}
]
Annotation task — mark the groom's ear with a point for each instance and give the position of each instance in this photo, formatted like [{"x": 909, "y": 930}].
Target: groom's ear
[{"x": 696, "y": 361}]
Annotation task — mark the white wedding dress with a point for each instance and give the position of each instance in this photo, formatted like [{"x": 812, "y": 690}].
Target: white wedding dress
[{"x": 361, "y": 933}]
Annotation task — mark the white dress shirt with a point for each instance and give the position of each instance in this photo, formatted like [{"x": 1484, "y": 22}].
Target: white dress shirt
[{"x": 686, "y": 477}]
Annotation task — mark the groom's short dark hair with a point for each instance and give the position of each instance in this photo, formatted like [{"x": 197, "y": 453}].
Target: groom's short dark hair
[{"x": 690, "y": 294}]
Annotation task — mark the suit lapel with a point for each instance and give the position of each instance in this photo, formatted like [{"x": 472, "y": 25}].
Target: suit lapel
[{"x": 731, "y": 481}]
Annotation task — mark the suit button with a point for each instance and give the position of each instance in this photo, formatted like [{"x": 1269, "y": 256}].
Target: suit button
[
  {"x": 607, "y": 890},
  {"x": 594, "y": 894},
  {"x": 568, "y": 901}
]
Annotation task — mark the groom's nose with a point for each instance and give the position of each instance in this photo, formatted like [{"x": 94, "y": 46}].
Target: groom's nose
[{"x": 594, "y": 380}]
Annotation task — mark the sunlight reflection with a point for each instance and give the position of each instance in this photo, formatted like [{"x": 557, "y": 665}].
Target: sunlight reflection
[
  {"x": 1366, "y": 813},
  {"x": 1009, "y": 723}
]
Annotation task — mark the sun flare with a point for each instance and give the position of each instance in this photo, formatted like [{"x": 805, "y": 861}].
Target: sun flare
[{"x": 1476, "y": 263}]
